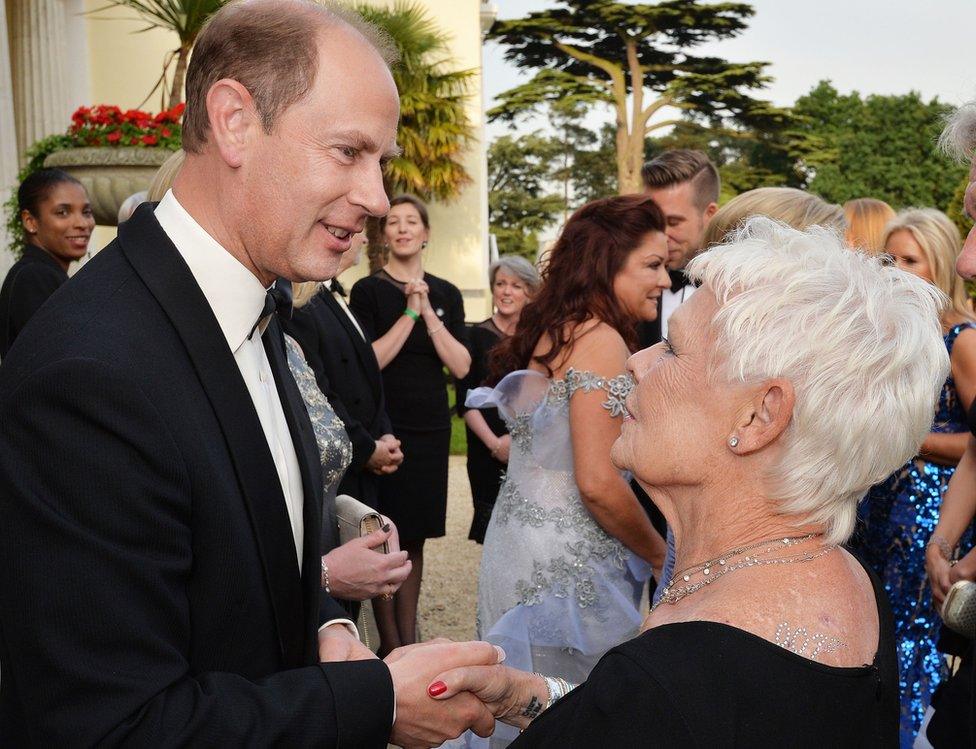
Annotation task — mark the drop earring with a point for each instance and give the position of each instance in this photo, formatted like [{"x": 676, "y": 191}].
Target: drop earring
[{"x": 423, "y": 245}]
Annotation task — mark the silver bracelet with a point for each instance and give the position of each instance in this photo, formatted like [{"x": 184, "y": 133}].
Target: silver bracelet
[
  {"x": 326, "y": 586},
  {"x": 558, "y": 688},
  {"x": 436, "y": 330},
  {"x": 945, "y": 548}
]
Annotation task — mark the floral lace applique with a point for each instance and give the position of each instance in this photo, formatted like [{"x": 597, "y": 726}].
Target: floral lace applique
[
  {"x": 520, "y": 430},
  {"x": 559, "y": 393},
  {"x": 569, "y": 573},
  {"x": 618, "y": 388}
]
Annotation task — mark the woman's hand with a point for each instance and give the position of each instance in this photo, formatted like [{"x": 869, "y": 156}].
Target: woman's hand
[
  {"x": 502, "y": 449},
  {"x": 358, "y": 572},
  {"x": 964, "y": 569},
  {"x": 937, "y": 568},
  {"x": 514, "y": 697},
  {"x": 416, "y": 291}
]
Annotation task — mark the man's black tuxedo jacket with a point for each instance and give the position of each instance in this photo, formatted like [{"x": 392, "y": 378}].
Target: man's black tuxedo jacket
[
  {"x": 150, "y": 592},
  {"x": 348, "y": 373}
]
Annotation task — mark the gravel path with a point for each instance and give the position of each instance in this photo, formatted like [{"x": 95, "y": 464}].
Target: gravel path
[{"x": 449, "y": 596}]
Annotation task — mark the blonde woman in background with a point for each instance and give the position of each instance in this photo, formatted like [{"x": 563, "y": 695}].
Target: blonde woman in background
[
  {"x": 793, "y": 207},
  {"x": 900, "y": 514},
  {"x": 866, "y": 220}
]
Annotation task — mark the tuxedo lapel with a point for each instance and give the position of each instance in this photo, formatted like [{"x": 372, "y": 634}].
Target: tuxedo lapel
[
  {"x": 309, "y": 463},
  {"x": 649, "y": 331},
  {"x": 363, "y": 348},
  {"x": 165, "y": 273}
]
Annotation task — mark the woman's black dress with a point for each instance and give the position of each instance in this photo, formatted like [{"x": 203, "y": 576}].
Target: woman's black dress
[
  {"x": 484, "y": 472},
  {"x": 415, "y": 496},
  {"x": 29, "y": 282},
  {"x": 709, "y": 685}
]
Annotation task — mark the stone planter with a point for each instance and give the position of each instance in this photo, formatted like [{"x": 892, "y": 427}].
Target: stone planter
[{"x": 110, "y": 174}]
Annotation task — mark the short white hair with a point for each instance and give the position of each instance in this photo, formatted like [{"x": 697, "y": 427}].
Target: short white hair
[
  {"x": 130, "y": 204},
  {"x": 861, "y": 343},
  {"x": 958, "y": 138}
]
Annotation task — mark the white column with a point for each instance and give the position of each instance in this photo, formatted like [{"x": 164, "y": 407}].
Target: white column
[
  {"x": 42, "y": 104},
  {"x": 8, "y": 140}
]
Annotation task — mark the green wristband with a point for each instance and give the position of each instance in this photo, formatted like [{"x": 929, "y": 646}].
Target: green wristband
[{"x": 411, "y": 314}]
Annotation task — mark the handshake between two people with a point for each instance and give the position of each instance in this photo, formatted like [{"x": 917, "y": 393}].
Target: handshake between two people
[{"x": 445, "y": 688}]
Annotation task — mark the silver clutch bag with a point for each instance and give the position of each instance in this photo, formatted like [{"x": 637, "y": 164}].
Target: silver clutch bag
[
  {"x": 959, "y": 609},
  {"x": 356, "y": 520}
]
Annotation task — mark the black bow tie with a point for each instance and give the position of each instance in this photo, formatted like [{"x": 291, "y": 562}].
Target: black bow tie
[
  {"x": 276, "y": 300},
  {"x": 678, "y": 280},
  {"x": 337, "y": 288}
]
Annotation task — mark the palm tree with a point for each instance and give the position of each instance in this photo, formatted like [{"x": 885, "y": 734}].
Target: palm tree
[
  {"x": 434, "y": 126},
  {"x": 185, "y": 18}
]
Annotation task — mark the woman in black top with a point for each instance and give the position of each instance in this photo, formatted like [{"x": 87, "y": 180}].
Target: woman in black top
[
  {"x": 416, "y": 323},
  {"x": 58, "y": 222},
  {"x": 754, "y": 428},
  {"x": 513, "y": 281}
]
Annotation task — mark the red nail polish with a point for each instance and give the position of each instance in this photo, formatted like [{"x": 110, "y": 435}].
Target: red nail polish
[{"x": 438, "y": 687}]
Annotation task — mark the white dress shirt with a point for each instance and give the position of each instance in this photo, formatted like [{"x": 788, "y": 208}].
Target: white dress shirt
[
  {"x": 670, "y": 301},
  {"x": 237, "y": 298}
]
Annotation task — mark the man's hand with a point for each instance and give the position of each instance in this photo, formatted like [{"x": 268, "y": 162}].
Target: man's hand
[
  {"x": 422, "y": 721},
  {"x": 337, "y": 643},
  {"x": 358, "y": 572},
  {"x": 386, "y": 457}
]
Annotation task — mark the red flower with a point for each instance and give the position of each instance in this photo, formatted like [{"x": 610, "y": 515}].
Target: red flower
[
  {"x": 134, "y": 141},
  {"x": 149, "y": 140},
  {"x": 165, "y": 132},
  {"x": 113, "y": 137}
]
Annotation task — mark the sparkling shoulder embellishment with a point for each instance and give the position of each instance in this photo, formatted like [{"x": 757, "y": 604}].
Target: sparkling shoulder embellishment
[
  {"x": 798, "y": 640},
  {"x": 618, "y": 388}
]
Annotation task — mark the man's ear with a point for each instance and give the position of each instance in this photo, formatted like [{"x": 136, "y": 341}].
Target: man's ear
[
  {"x": 231, "y": 113},
  {"x": 710, "y": 211},
  {"x": 765, "y": 418}
]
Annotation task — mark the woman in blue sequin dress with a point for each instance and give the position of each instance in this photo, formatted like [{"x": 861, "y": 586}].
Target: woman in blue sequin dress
[{"x": 900, "y": 514}]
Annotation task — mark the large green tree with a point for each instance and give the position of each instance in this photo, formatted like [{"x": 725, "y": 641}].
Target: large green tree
[
  {"x": 521, "y": 199},
  {"x": 434, "y": 125},
  {"x": 637, "y": 58},
  {"x": 849, "y": 146},
  {"x": 185, "y": 18}
]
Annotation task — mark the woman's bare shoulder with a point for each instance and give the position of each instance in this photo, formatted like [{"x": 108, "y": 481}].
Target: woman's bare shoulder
[
  {"x": 825, "y": 610},
  {"x": 594, "y": 347}
]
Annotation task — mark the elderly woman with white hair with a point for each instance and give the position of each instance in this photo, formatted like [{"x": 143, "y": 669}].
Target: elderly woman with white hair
[{"x": 755, "y": 427}]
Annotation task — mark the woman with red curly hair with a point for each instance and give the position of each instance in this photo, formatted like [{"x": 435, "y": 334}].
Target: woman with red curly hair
[{"x": 568, "y": 546}]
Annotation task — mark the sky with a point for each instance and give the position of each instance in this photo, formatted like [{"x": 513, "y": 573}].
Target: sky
[{"x": 871, "y": 46}]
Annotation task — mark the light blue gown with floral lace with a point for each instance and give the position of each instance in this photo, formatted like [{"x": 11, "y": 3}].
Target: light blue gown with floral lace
[{"x": 555, "y": 591}]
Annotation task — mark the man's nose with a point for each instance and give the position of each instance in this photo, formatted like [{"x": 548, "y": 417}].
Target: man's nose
[{"x": 966, "y": 264}]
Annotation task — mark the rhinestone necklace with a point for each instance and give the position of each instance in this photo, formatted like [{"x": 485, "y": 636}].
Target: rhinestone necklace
[
  {"x": 672, "y": 595},
  {"x": 721, "y": 560}
]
